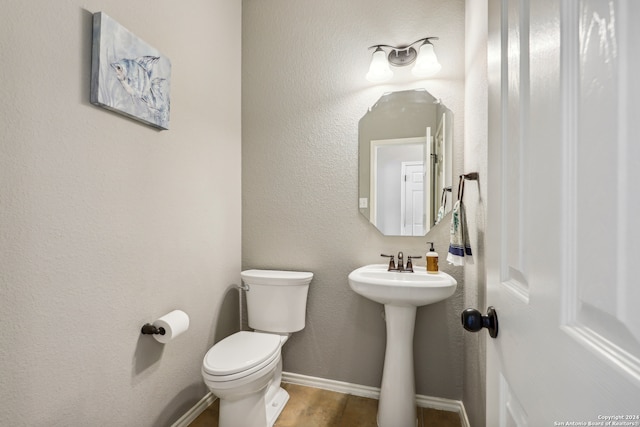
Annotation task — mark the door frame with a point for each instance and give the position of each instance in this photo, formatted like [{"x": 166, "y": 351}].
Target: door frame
[{"x": 375, "y": 144}]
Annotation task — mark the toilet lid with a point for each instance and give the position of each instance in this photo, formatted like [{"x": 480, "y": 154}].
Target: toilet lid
[{"x": 240, "y": 352}]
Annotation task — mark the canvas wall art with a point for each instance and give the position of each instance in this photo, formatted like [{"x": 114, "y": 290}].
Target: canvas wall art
[{"x": 127, "y": 75}]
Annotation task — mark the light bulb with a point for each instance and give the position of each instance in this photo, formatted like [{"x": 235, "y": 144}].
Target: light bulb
[
  {"x": 379, "y": 70},
  {"x": 427, "y": 63}
]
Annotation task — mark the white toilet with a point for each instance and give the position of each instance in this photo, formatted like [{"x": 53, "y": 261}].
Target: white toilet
[{"x": 244, "y": 370}]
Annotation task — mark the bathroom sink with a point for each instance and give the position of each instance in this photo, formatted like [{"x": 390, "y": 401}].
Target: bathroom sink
[
  {"x": 401, "y": 294},
  {"x": 401, "y": 289}
]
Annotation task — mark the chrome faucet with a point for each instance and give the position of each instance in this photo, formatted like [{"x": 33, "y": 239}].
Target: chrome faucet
[{"x": 401, "y": 268}]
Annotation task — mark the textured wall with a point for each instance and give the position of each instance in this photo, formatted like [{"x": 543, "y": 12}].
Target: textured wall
[
  {"x": 475, "y": 159},
  {"x": 303, "y": 93},
  {"x": 106, "y": 223}
]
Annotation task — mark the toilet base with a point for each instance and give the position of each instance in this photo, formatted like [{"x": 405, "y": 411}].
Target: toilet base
[
  {"x": 276, "y": 405},
  {"x": 249, "y": 411},
  {"x": 253, "y": 410}
]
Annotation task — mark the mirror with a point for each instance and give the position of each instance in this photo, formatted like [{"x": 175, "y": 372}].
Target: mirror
[{"x": 405, "y": 163}]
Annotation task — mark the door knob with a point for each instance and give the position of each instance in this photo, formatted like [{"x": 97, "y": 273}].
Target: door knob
[{"x": 473, "y": 320}]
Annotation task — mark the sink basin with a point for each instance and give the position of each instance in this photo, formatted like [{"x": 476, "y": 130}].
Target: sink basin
[
  {"x": 401, "y": 294},
  {"x": 401, "y": 289}
]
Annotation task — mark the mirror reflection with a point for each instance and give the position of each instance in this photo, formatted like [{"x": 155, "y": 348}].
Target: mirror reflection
[{"x": 405, "y": 163}]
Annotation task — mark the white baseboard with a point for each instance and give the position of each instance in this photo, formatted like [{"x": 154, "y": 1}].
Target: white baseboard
[
  {"x": 331, "y": 385},
  {"x": 422, "y": 401},
  {"x": 464, "y": 419},
  {"x": 340, "y": 387},
  {"x": 196, "y": 410}
]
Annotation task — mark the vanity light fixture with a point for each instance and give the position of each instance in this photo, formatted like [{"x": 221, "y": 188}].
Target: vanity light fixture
[{"x": 399, "y": 56}]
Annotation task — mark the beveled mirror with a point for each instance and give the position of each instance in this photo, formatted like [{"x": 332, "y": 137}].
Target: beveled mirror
[{"x": 405, "y": 163}]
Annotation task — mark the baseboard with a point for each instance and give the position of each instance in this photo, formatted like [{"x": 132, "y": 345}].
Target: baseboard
[
  {"x": 422, "y": 401},
  {"x": 196, "y": 410},
  {"x": 464, "y": 419},
  {"x": 331, "y": 385}
]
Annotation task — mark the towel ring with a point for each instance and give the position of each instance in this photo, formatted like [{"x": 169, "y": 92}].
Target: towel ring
[
  {"x": 461, "y": 188},
  {"x": 473, "y": 176},
  {"x": 443, "y": 198}
]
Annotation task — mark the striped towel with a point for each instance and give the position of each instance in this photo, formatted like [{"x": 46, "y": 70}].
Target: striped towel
[{"x": 459, "y": 246}]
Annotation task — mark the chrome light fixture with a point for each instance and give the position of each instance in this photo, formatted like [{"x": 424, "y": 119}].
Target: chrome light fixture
[{"x": 399, "y": 56}]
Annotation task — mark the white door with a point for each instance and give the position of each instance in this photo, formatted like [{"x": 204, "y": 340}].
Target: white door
[
  {"x": 412, "y": 199},
  {"x": 563, "y": 213}
]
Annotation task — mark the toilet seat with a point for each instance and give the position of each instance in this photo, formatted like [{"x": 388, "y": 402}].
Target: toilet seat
[{"x": 240, "y": 355}]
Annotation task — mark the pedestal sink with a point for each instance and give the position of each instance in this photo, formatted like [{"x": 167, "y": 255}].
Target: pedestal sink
[{"x": 401, "y": 294}]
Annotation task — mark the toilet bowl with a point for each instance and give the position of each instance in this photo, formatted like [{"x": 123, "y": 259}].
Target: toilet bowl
[
  {"x": 244, "y": 370},
  {"x": 240, "y": 370}
]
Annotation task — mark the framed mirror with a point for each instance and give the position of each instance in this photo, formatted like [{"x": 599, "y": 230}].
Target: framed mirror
[{"x": 405, "y": 163}]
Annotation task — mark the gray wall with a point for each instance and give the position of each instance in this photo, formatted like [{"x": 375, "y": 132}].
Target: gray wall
[
  {"x": 475, "y": 196},
  {"x": 106, "y": 223},
  {"x": 303, "y": 93}
]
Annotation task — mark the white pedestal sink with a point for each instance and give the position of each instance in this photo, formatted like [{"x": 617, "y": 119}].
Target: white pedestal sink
[{"x": 401, "y": 294}]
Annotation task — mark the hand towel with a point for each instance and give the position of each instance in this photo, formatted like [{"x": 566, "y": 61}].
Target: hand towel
[
  {"x": 440, "y": 215},
  {"x": 459, "y": 246},
  {"x": 443, "y": 205}
]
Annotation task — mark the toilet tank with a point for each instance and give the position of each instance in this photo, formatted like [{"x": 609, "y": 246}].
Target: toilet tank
[{"x": 276, "y": 300}]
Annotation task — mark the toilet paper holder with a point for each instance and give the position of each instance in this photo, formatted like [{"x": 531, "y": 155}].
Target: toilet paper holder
[
  {"x": 149, "y": 329},
  {"x": 167, "y": 327}
]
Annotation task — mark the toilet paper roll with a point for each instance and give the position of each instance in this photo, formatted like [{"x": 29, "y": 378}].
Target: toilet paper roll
[{"x": 174, "y": 324}]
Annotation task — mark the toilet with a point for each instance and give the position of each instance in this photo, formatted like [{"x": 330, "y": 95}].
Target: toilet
[{"x": 244, "y": 370}]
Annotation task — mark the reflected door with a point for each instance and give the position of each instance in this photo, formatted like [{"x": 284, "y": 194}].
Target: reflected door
[
  {"x": 387, "y": 186},
  {"x": 412, "y": 203}
]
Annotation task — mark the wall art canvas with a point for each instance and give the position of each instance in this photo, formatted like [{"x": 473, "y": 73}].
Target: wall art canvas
[{"x": 127, "y": 75}]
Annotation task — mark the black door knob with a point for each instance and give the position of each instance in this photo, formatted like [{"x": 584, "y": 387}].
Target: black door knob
[{"x": 473, "y": 320}]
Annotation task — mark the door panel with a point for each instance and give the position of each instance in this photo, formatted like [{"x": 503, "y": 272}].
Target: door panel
[
  {"x": 511, "y": 412},
  {"x": 516, "y": 115},
  {"x": 599, "y": 285}
]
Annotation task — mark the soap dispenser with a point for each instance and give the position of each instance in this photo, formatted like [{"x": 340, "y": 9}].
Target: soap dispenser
[{"x": 432, "y": 260}]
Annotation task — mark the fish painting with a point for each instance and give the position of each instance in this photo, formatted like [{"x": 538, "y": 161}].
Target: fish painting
[
  {"x": 135, "y": 76},
  {"x": 128, "y": 75}
]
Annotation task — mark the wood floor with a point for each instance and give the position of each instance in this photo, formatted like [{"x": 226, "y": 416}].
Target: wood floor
[{"x": 314, "y": 407}]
